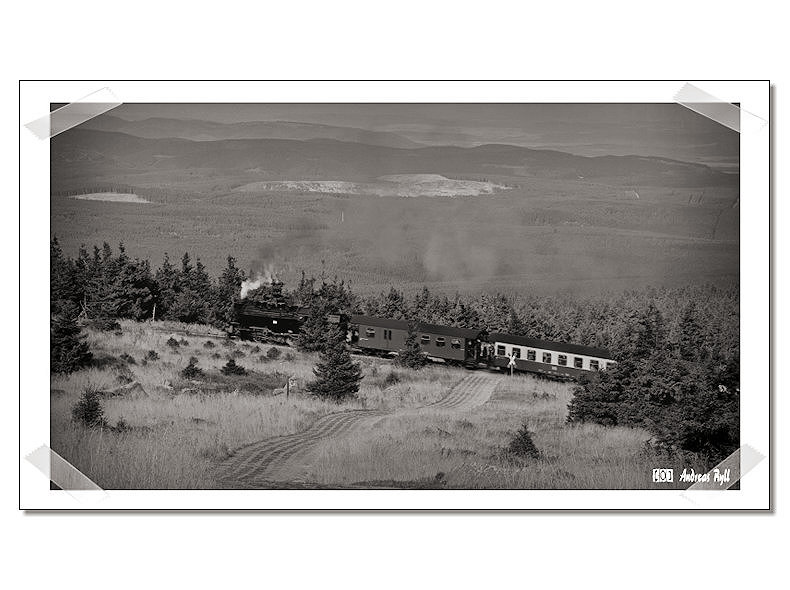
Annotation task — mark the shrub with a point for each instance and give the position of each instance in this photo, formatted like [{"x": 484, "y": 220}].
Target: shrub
[
  {"x": 183, "y": 342},
  {"x": 521, "y": 445},
  {"x": 152, "y": 355},
  {"x": 209, "y": 344},
  {"x": 128, "y": 359},
  {"x": 192, "y": 371},
  {"x": 391, "y": 379},
  {"x": 289, "y": 357},
  {"x": 216, "y": 355},
  {"x": 125, "y": 376},
  {"x": 231, "y": 368},
  {"x": 105, "y": 324},
  {"x": 263, "y": 359},
  {"x": 172, "y": 343},
  {"x": 237, "y": 354},
  {"x": 88, "y": 410},
  {"x": 273, "y": 353},
  {"x": 121, "y": 426},
  {"x": 255, "y": 349},
  {"x": 228, "y": 343}
]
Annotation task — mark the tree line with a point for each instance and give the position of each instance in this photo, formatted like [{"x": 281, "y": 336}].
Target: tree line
[{"x": 677, "y": 349}]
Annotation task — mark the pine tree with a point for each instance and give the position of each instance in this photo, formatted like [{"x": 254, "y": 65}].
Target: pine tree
[
  {"x": 688, "y": 340},
  {"x": 315, "y": 331},
  {"x": 63, "y": 280},
  {"x": 68, "y": 351},
  {"x": 393, "y": 305},
  {"x": 411, "y": 355},
  {"x": 88, "y": 410},
  {"x": 337, "y": 376},
  {"x": 269, "y": 295},
  {"x": 514, "y": 323},
  {"x": 167, "y": 288},
  {"x": 227, "y": 294}
]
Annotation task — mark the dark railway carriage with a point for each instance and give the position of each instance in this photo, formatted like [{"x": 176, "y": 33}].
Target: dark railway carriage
[
  {"x": 458, "y": 345},
  {"x": 555, "y": 359}
]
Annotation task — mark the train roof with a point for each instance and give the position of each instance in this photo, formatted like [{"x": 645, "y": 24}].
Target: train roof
[
  {"x": 549, "y": 345},
  {"x": 421, "y": 326}
]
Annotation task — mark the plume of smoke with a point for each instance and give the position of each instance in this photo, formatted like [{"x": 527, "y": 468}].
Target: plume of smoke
[{"x": 263, "y": 277}]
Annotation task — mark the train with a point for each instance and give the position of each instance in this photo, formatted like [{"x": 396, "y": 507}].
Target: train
[{"x": 468, "y": 347}]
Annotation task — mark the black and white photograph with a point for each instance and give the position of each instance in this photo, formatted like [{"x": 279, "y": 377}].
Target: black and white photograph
[
  {"x": 422, "y": 295},
  {"x": 395, "y": 296}
]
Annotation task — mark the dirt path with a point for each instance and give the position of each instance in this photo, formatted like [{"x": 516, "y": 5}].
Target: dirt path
[{"x": 284, "y": 458}]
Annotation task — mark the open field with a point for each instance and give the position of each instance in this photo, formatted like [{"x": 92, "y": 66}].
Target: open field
[
  {"x": 467, "y": 449},
  {"x": 175, "y": 432}
]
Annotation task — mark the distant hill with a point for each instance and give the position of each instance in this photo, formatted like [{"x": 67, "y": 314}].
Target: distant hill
[
  {"x": 101, "y": 153},
  {"x": 197, "y": 130}
]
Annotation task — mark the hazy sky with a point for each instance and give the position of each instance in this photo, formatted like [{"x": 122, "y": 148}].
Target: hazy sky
[{"x": 666, "y": 130}]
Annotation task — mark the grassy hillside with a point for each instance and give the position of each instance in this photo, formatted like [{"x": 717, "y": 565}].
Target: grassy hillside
[{"x": 168, "y": 432}]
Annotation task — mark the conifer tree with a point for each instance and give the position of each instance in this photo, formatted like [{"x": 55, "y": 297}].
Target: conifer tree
[
  {"x": 411, "y": 355},
  {"x": 337, "y": 375},
  {"x": 167, "y": 288},
  {"x": 314, "y": 334},
  {"x": 227, "y": 293},
  {"x": 68, "y": 351}
]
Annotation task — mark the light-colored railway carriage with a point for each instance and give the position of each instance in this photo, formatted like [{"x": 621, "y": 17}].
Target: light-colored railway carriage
[{"x": 557, "y": 359}]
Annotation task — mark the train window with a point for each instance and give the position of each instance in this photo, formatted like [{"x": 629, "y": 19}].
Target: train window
[
  {"x": 594, "y": 365},
  {"x": 370, "y": 332},
  {"x": 530, "y": 355},
  {"x": 440, "y": 341},
  {"x": 609, "y": 365},
  {"x": 578, "y": 362},
  {"x": 425, "y": 339},
  {"x": 547, "y": 357},
  {"x": 500, "y": 350},
  {"x": 517, "y": 352},
  {"x": 455, "y": 343},
  {"x": 562, "y": 360}
]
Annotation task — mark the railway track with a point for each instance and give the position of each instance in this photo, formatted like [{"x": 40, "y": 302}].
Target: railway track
[{"x": 272, "y": 461}]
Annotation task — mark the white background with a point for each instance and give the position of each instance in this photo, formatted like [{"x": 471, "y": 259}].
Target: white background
[{"x": 405, "y": 40}]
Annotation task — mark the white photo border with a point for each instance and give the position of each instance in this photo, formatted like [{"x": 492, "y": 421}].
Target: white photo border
[{"x": 34, "y": 193}]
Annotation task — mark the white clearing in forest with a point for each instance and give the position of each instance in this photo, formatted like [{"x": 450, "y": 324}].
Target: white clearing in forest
[
  {"x": 113, "y": 197},
  {"x": 395, "y": 185}
]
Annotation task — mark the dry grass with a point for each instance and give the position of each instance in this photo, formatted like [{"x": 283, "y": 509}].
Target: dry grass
[
  {"x": 174, "y": 439},
  {"x": 467, "y": 449}
]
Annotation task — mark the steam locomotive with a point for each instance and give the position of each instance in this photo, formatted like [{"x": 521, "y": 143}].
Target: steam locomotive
[{"x": 468, "y": 347}]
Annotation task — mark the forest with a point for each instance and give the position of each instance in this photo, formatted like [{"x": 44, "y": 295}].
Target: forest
[{"x": 677, "y": 349}]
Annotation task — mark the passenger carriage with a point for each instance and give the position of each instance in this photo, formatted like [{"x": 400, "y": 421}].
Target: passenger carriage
[
  {"x": 555, "y": 359},
  {"x": 454, "y": 345}
]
